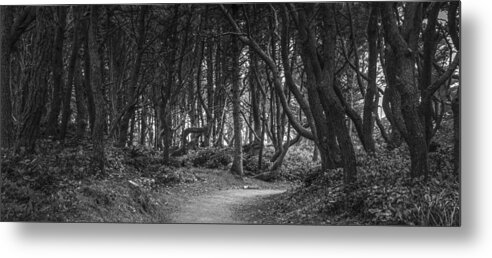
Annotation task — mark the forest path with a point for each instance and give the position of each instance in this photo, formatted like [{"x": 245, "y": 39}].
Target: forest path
[{"x": 219, "y": 206}]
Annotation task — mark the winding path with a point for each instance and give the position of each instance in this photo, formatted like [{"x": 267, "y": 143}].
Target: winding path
[{"x": 218, "y": 207}]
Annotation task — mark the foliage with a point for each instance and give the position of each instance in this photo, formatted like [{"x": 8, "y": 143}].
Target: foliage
[
  {"x": 250, "y": 164},
  {"x": 55, "y": 184},
  {"x": 210, "y": 157},
  {"x": 298, "y": 161},
  {"x": 116, "y": 201},
  {"x": 441, "y": 160},
  {"x": 39, "y": 187},
  {"x": 382, "y": 195}
]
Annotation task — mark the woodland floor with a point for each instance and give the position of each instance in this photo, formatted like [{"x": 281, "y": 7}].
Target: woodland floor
[
  {"x": 216, "y": 197},
  {"x": 55, "y": 184},
  {"x": 220, "y": 206}
]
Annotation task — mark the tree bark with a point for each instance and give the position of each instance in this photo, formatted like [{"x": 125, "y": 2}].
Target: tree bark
[
  {"x": 453, "y": 31},
  {"x": 57, "y": 69},
  {"x": 370, "y": 104},
  {"x": 237, "y": 163},
  {"x": 276, "y": 76},
  {"x": 71, "y": 80},
  {"x": 143, "y": 126},
  {"x": 429, "y": 37},
  {"x": 132, "y": 93},
  {"x": 322, "y": 77},
  {"x": 456, "y": 133},
  {"x": 91, "y": 106},
  {"x": 210, "y": 93},
  {"x": 403, "y": 47},
  {"x": 330, "y": 102},
  {"x": 255, "y": 95},
  {"x": 325, "y": 132},
  {"x": 38, "y": 84},
  {"x": 97, "y": 89},
  {"x": 7, "y": 136},
  {"x": 81, "y": 118}
]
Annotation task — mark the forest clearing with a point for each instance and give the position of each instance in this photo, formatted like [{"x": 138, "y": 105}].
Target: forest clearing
[{"x": 283, "y": 113}]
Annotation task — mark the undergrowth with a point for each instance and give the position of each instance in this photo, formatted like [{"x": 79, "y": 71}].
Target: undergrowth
[
  {"x": 56, "y": 185},
  {"x": 382, "y": 195}
]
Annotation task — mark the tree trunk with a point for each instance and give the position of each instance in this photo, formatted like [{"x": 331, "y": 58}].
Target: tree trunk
[
  {"x": 335, "y": 114},
  {"x": 71, "y": 80},
  {"x": 131, "y": 136},
  {"x": 38, "y": 84},
  {"x": 7, "y": 136},
  {"x": 97, "y": 89},
  {"x": 453, "y": 31},
  {"x": 57, "y": 69},
  {"x": 132, "y": 93},
  {"x": 429, "y": 38},
  {"x": 456, "y": 133},
  {"x": 370, "y": 104},
  {"x": 277, "y": 82},
  {"x": 81, "y": 118},
  {"x": 262, "y": 139},
  {"x": 325, "y": 138},
  {"x": 402, "y": 48},
  {"x": 255, "y": 95},
  {"x": 322, "y": 77},
  {"x": 91, "y": 106},
  {"x": 392, "y": 109},
  {"x": 210, "y": 93},
  {"x": 237, "y": 163},
  {"x": 167, "y": 95},
  {"x": 143, "y": 126},
  {"x": 167, "y": 137}
]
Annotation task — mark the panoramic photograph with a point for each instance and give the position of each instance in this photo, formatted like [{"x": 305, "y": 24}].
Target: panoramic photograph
[{"x": 319, "y": 113}]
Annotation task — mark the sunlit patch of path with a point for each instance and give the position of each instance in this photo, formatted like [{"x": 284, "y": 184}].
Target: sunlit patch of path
[{"x": 218, "y": 207}]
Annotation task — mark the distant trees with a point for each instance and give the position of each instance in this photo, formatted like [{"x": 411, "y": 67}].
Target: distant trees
[{"x": 177, "y": 77}]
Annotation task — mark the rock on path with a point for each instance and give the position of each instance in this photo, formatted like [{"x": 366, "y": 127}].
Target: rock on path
[{"x": 217, "y": 207}]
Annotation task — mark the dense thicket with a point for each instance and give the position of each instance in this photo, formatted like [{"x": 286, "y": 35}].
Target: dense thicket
[{"x": 343, "y": 76}]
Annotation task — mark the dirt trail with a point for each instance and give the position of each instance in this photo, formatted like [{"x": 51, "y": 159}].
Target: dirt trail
[{"x": 218, "y": 207}]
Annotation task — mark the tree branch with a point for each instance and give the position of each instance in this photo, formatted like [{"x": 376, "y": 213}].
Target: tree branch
[
  {"x": 276, "y": 82},
  {"x": 439, "y": 81}
]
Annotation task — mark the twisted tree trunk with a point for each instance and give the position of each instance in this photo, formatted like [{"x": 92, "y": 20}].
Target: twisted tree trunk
[
  {"x": 57, "y": 69},
  {"x": 72, "y": 65},
  {"x": 401, "y": 54},
  {"x": 97, "y": 89},
  {"x": 38, "y": 85},
  {"x": 7, "y": 136}
]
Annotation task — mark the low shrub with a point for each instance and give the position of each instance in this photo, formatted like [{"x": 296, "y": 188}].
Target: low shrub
[
  {"x": 55, "y": 184},
  {"x": 211, "y": 158},
  {"x": 298, "y": 162},
  {"x": 382, "y": 195},
  {"x": 250, "y": 164}
]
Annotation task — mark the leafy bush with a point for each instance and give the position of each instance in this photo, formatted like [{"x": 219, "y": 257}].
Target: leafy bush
[
  {"x": 55, "y": 184},
  {"x": 39, "y": 187},
  {"x": 116, "y": 201},
  {"x": 298, "y": 162},
  {"x": 250, "y": 163},
  {"x": 211, "y": 158},
  {"x": 175, "y": 176},
  {"x": 382, "y": 195}
]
